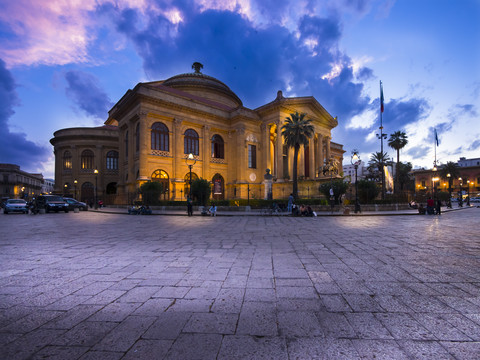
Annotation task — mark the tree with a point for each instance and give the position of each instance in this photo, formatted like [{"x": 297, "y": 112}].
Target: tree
[
  {"x": 367, "y": 191},
  {"x": 151, "y": 192},
  {"x": 339, "y": 188},
  {"x": 296, "y": 131},
  {"x": 376, "y": 163},
  {"x": 449, "y": 172},
  {"x": 201, "y": 191},
  {"x": 398, "y": 140},
  {"x": 403, "y": 173}
]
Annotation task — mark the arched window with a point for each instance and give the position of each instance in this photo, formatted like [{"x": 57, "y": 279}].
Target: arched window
[
  {"x": 112, "y": 160},
  {"x": 218, "y": 187},
  {"x": 217, "y": 147},
  {"x": 162, "y": 177},
  {"x": 137, "y": 138},
  {"x": 191, "y": 142},
  {"x": 67, "y": 160},
  {"x": 159, "y": 137},
  {"x": 126, "y": 144},
  {"x": 186, "y": 188},
  {"x": 87, "y": 159}
]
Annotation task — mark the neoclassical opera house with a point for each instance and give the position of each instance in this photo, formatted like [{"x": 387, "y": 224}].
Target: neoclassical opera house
[{"x": 151, "y": 130}]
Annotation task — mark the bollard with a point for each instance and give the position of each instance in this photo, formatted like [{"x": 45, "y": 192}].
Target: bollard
[{"x": 76, "y": 210}]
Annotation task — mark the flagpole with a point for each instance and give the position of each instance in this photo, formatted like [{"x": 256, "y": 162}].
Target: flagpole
[{"x": 382, "y": 136}]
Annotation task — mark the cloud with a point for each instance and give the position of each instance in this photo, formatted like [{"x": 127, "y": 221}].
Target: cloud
[
  {"x": 474, "y": 146},
  {"x": 15, "y": 149},
  {"x": 84, "y": 91}
]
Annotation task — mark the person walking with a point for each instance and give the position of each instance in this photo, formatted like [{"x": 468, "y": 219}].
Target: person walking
[
  {"x": 189, "y": 206},
  {"x": 290, "y": 203}
]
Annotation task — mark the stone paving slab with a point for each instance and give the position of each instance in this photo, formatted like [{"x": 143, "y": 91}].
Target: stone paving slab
[{"x": 100, "y": 285}]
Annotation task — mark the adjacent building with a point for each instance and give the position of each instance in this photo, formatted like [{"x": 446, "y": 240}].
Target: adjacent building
[
  {"x": 153, "y": 128},
  {"x": 16, "y": 183}
]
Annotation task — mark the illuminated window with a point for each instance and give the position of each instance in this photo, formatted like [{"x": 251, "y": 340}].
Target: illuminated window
[
  {"x": 87, "y": 159},
  {"x": 67, "y": 160},
  {"x": 217, "y": 147},
  {"x": 162, "y": 177},
  {"x": 190, "y": 144},
  {"x": 112, "y": 160},
  {"x": 159, "y": 137}
]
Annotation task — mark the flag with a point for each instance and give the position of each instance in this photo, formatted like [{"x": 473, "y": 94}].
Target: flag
[
  {"x": 436, "y": 136},
  {"x": 381, "y": 98}
]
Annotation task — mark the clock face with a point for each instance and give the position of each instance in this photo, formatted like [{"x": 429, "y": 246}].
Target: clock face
[{"x": 253, "y": 177}]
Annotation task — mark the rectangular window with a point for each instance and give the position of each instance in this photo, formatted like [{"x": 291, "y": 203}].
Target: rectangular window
[
  {"x": 423, "y": 183},
  {"x": 252, "y": 156}
]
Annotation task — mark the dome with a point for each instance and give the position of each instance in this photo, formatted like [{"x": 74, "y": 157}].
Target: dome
[{"x": 204, "y": 86}]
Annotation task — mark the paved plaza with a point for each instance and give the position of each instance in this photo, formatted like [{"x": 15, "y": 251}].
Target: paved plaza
[{"x": 111, "y": 286}]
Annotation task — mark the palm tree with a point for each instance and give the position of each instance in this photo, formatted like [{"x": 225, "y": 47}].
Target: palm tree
[
  {"x": 397, "y": 141},
  {"x": 296, "y": 131},
  {"x": 376, "y": 163},
  {"x": 450, "y": 171}
]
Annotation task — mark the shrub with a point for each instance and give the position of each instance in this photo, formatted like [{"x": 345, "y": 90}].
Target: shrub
[
  {"x": 339, "y": 188},
  {"x": 367, "y": 191},
  {"x": 201, "y": 190},
  {"x": 151, "y": 192}
]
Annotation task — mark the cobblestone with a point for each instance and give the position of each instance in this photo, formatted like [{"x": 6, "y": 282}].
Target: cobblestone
[{"x": 95, "y": 285}]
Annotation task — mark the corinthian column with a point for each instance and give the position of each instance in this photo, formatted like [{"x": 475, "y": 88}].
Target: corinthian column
[{"x": 279, "y": 152}]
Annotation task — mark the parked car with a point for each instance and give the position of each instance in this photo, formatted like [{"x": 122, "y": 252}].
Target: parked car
[
  {"x": 52, "y": 203},
  {"x": 72, "y": 204},
  {"x": 15, "y": 205}
]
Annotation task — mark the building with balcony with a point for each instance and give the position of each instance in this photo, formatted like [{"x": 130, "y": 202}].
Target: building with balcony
[{"x": 18, "y": 184}]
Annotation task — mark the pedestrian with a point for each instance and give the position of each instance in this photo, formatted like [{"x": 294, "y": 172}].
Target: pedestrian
[
  {"x": 430, "y": 206},
  {"x": 189, "y": 206},
  {"x": 290, "y": 203},
  {"x": 439, "y": 207}
]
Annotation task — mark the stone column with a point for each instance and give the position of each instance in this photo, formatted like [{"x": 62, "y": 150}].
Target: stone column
[
  {"x": 311, "y": 160},
  {"x": 266, "y": 147},
  {"x": 327, "y": 143},
  {"x": 279, "y": 152},
  {"x": 321, "y": 157},
  {"x": 207, "y": 153},
  {"x": 241, "y": 152},
  {"x": 176, "y": 148},
  {"x": 301, "y": 161},
  {"x": 143, "y": 147}
]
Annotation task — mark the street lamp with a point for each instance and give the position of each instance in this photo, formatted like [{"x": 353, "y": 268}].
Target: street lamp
[
  {"x": 75, "y": 186},
  {"x": 460, "y": 193},
  {"x": 468, "y": 192},
  {"x": 355, "y": 160},
  {"x": 190, "y": 161},
  {"x": 65, "y": 190},
  {"x": 96, "y": 186}
]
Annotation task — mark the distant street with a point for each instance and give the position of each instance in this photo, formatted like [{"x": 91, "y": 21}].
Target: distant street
[{"x": 112, "y": 286}]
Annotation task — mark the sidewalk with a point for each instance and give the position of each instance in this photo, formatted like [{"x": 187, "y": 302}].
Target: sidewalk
[{"x": 262, "y": 212}]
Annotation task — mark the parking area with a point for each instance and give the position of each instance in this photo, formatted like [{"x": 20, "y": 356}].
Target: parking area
[{"x": 94, "y": 285}]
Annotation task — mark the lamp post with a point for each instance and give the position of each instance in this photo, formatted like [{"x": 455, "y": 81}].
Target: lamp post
[
  {"x": 190, "y": 161},
  {"x": 96, "y": 186},
  {"x": 468, "y": 192},
  {"x": 355, "y": 160},
  {"x": 248, "y": 194},
  {"x": 75, "y": 186},
  {"x": 65, "y": 190},
  {"x": 460, "y": 193}
]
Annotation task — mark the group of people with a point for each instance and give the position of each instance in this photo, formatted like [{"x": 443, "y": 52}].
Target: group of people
[
  {"x": 301, "y": 210},
  {"x": 433, "y": 208}
]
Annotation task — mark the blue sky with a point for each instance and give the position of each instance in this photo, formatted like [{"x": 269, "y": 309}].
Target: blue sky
[{"x": 65, "y": 63}]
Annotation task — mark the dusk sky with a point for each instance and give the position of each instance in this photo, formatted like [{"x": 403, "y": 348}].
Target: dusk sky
[{"x": 65, "y": 63}]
